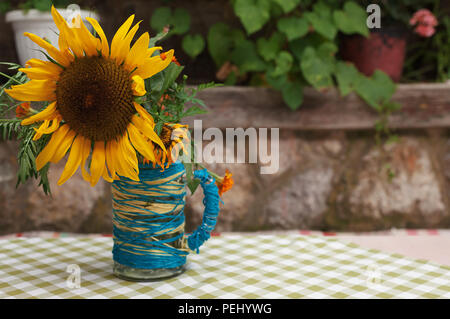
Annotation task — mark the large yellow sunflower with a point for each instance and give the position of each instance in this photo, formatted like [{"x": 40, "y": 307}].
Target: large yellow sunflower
[{"x": 92, "y": 88}]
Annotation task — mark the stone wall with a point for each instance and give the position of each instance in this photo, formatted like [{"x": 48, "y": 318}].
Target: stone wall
[{"x": 332, "y": 180}]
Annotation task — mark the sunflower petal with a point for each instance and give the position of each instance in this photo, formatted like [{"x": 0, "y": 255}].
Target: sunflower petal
[
  {"x": 126, "y": 159},
  {"x": 106, "y": 176},
  {"x": 71, "y": 40},
  {"x": 104, "y": 46},
  {"x": 153, "y": 65},
  {"x": 120, "y": 35},
  {"x": 41, "y": 70},
  {"x": 123, "y": 48},
  {"x": 39, "y": 132},
  {"x": 73, "y": 161},
  {"x": 137, "y": 52},
  {"x": 98, "y": 162},
  {"x": 144, "y": 114},
  {"x": 147, "y": 130},
  {"x": 111, "y": 150},
  {"x": 86, "y": 150},
  {"x": 152, "y": 50},
  {"x": 138, "y": 86},
  {"x": 47, "y": 113},
  {"x": 49, "y": 150},
  {"x": 140, "y": 143},
  {"x": 86, "y": 37},
  {"x": 34, "y": 90},
  {"x": 49, "y": 126},
  {"x": 63, "y": 147},
  {"x": 64, "y": 58}
]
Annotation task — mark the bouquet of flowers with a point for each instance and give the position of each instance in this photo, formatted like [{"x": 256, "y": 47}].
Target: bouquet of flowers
[{"x": 109, "y": 106}]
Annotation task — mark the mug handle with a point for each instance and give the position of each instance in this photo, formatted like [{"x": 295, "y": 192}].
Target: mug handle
[{"x": 211, "y": 202}]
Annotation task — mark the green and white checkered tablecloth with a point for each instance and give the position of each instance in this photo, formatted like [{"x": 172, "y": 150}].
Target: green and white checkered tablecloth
[{"x": 228, "y": 266}]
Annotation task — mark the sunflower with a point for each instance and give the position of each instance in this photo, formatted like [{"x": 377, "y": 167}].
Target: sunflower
[{"x": 92, "y": 88}]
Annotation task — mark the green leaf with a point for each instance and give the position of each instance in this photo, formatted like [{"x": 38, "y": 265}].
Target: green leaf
[
  {"x": 181, "y": 21},
  {"x": 194, "y": 110},
  {"x": 269, "y": 48},
  {"x": 346, "y": 76},
  {"x": 321, "y": 20},
  {"x": 293, "y": 27},
  {"x": 155, "y": 83},
  {"x": 321, "y": 26},
  {"x": 161, "y": 17},
  {"x": 326, "y": 52},
  {"x": 315, "y": 71},
  {"x": 253, "y": 13},
  {"x": 231, "y": 78},
  {"x": 352, "y": 19},
  {"x": 246, "y": 57},
  {"x": 4, "y": 7},
  {"x": 276, "y": 82},
  {"x": 193, "y": 185},
  {"x": 375, "y": 90},
  {"x": 283, "y": 63},
  {"x": 299, "y": 45},
  {"x": 171, "y": 73},
  {"x": 193, "y": 45},
  {"x": 191, "y": 182},
  {"x": 287, "y": 5},
  {"x": 221, "y": 40},
  {"x": 42, "y": 5},
  {"x": 292, "y": 94}
]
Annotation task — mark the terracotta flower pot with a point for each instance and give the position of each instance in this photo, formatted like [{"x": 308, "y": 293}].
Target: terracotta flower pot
[{"x": 383, "y": 50}]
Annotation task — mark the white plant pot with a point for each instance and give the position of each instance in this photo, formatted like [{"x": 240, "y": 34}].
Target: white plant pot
[{"x": 41, "y": 24}]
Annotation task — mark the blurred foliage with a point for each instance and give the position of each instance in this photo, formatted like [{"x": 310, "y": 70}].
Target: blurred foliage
[
  {"x": 285, "y": 44},
  {"x": 290, "y": 44},
  {"x": 41, "y": 5},
  {"x": 10, "y": 127}
]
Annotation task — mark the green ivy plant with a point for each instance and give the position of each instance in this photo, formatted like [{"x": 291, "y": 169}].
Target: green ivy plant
[
  {"x": 178, "y": 21},
  {"x": 287, "y": 45}
]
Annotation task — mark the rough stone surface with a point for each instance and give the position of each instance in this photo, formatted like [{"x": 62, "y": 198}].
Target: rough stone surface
[
  {"x": 73, "y": 207},
  {"x": 397, "y": 186},
  {"x": 327, "y": 181},
  {"x": 413, "y": 187},
  {"x": 302, "y": 202},
  {"x": 237, "y": 203}
]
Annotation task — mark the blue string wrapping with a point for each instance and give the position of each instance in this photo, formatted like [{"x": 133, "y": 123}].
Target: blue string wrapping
[
  {"x": 211, "y": 202},
  {"x": 146, "y": 215},
  {"x": 148, "y": 218}
]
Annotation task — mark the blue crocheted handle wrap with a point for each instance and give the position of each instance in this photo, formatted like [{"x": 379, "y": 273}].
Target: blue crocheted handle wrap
[{"x": 211, "y": 202}]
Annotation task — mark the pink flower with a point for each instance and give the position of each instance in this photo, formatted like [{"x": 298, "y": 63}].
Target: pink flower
[{"x": 425, "y": 22}]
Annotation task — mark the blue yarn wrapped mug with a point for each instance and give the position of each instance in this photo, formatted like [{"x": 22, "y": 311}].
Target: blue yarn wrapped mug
[{"x": 148, "y": 222}]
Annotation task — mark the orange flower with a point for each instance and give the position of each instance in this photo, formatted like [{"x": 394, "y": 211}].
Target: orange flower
[
  {"x": 174, "y": 59},
  {"x": 225, "y": 183},
  {"x": 23, "y": 110}
]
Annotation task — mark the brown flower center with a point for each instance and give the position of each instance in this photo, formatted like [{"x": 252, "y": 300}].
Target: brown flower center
[
  {"x": 95, "y": 98},
  {"x": 166, "y": 136}
]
